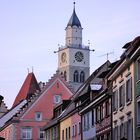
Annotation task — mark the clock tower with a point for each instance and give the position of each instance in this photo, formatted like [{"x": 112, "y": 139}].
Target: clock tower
[{"x": 73, "y": 58}]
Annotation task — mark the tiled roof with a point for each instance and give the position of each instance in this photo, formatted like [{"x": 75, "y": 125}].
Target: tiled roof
[{"x": 28, "y": 88}]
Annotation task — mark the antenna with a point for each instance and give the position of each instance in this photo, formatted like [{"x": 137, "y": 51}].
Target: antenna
[
  {"x": 106, "y": 54},
  {"x": 89, "y": 46}
]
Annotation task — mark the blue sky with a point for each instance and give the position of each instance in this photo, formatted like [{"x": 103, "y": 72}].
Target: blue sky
[{"x": 30, "y": 31}]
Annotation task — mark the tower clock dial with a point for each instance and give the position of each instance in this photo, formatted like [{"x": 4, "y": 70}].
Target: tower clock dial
[
  {"x": 63, "y": 57},
  {"x": 79, "y": 56}
]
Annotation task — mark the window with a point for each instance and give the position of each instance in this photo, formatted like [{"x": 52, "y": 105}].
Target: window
[
  {"x": 62, "y": 134},
  {"x": 129, "y": 129},
  {"x": 26, "y": 133},
  {"x": 121, "y": 96},
  {"x": 76, "y": 76},
  {"x": 101, "y": 112},
  {"x": 54, "y": 132},
  {"x": 86, "y": 123},
  {"x": 82, "y": 77},
  {"x": 69, "y": 133},
  {"x": 129, "y": 90},
  {"x": 116, "y": 133},
  {"x": 41, "y": 134},
  {"x": 66, "y": 134},
  {"x": 92, "y": 117},
  {"x": 48, "y": 134},
  {"x": 57, "y": 99},
  {"x": 122, "y": 128},
  {"x": 79, "y": 130},
  {"x": 115, "y": 100},
  {"x": 65, "y": 75},
  {"x": 107, "y": 108},
  {"x": 138, "y": 113},
  {"x": 73, "y": 131},
  {"x": 139, "y": 69},
  {"x": 38, "y": 116},
  {"x": 97, "y": 114}
]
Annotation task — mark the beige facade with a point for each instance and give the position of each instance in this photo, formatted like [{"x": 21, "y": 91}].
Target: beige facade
[{"x": 123, "y": 101}]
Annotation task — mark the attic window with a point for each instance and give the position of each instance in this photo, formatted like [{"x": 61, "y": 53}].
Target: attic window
[
  {"x": 57, "y": 99},
  {"x": 38, "y": 116},
  {"x": 95, "y": 86}
]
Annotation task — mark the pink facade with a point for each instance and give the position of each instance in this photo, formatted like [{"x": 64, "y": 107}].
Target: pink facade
[
  {"x": 36, "y": 114},
  {"x": 76, "y": 122}
]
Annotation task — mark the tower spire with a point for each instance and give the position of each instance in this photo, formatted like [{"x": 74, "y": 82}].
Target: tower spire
[
  {"x": 74, "y": 5},
  {"x": 74, "y": 20}
]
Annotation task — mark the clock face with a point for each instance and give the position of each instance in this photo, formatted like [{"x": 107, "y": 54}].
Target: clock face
[
  {"x": 79, "y": 56},
  {"x": 63, "y": 57}
]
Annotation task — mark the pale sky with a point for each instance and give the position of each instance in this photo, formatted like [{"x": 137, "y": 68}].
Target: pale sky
[{"x": 30, "y": 31}]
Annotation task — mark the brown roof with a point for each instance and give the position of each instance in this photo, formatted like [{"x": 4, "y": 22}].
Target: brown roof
[{"x": 28, "y": 88}]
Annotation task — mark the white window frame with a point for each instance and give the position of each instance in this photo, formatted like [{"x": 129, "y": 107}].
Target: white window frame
[
  {"x": 26, "y": 133},
  {"x": 57, "y": 99},
  {"x": 129, "y": 90},
  {"x": 36, "y": 116},
  {"x": 115, "y": 100},
  {"x": 41, "y": 132},
  {"x": 122, "y": 95}
]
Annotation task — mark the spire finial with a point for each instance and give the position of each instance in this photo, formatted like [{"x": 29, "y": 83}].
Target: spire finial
[{"x": 74, "y": 5}]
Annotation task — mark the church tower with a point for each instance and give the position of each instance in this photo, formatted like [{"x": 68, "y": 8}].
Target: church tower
[{"x": 73, "y": 58}]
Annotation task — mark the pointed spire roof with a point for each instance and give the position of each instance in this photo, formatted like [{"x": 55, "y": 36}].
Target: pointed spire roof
[
  {"x": 28, "y": 88},
  {"x": 74, "y": 21}
]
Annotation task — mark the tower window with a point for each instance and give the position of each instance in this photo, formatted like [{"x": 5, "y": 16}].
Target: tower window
[
  {"x": 76, "y": 76},
  {"x": 82, "y": 77},
  {"x": 65, "y": 75}
]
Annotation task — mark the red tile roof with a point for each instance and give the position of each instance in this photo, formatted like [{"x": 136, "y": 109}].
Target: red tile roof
[{"x": 28, "y": 88}]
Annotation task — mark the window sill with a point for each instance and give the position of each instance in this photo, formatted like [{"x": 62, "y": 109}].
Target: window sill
[
  {"x": 121, "y": 108},
  {"x": 128, "y": 102},
  {"x": 138, "y": 81},
  {"x": 138, "y": 125},
  {"x": 115, "y": 112}
]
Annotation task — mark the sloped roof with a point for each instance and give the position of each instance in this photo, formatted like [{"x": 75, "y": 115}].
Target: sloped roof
[
  {"x": 74, "y": 21},
  {"x": 28, "y": 88},
  {"x": 11, "y": 113}
]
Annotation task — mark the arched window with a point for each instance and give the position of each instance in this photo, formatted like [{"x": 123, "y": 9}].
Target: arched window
[
  {"x": 65, "y": 75},
  {"x": 76, "y": 76},
  {"x": 82, "y": 77}
]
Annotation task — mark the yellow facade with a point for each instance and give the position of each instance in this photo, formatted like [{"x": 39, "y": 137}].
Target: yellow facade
[{"x": 65, "y": 129}]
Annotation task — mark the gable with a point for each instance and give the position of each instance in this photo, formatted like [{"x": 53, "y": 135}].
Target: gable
[{"x": 45, "y": 102}]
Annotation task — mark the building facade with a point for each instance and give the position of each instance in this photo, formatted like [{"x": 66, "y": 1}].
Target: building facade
[
  {"x": 25, "y": 120},
  {"x": 125, "y": 93}
]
